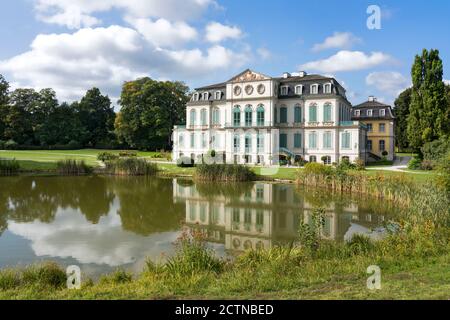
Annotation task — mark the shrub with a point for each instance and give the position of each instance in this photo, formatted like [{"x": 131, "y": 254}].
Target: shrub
[
  {"x": 9, "y": 167},
  {"x": 107, "y": 156},
  {"x": 2, "y": 145},
  {"x": 444, "y": 173},
  {"x": 128, "y": 154},
  {"x": 192, "y": 256},
  {"x": 74, "y": 145},
  {"x": 345, "y": 164},
  {"x": 359, "y": 244},
  {"x": 360, "y": 164},
  {"x": 157, "y": 156},
  {"x": 72, "y": 167},
  {"x": 11, "y": 145},
  {"x": 415, "y": 163},
  {"x": 45, "y": 275},
  {"x": 224, "y": 172},
  {"x": 119, "y": 276},
  {"x": 427, "y": 165},
  {"x": 436, "y": 149},
  {"x": 384, "y": 153},
  {"x": 131, "y": 167},
  {"x": 9, "y": 279},
  {"x": 185, "y": 162}
]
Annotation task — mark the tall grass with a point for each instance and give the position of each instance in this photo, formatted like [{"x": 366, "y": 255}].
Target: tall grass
[
  {"x": 224, "y": 172},
  {"x": 71, "y": 167},
  {"x": 9, "y": 167},
  {"x": 45, "y": 276},
  {"x": 131, "y": 167}
]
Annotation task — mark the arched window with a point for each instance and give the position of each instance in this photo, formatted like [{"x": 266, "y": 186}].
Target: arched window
[
  {"x": 193, "y": 117},
  {"x": 248, "y": 116},
  {"x": 283, "y": 114},
  {"x": 327, "y": 112},
  {"x": 298, "y": 114},
  {"x": 312, "y": 159},
  {"x": 260, "y": 115},
  {"x": 313, "y": 113},
  {"x": 216, "y": 116},
  {"x": 203, "y": 117},
  {"x": 237, "y": 116}
]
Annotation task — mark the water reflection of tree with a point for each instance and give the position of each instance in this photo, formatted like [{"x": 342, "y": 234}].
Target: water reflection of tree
[
  {"x": 146, "y": 205},
  {"x": 38, "y": 198}
]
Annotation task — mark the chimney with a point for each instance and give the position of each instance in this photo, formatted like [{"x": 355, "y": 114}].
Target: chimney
[
  {"x": 286, "y": 75},
  {"x": 302, "y": 74},
  {"x": 372, "y": 99}
]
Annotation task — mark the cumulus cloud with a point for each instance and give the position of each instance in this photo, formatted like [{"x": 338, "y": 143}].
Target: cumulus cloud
[
  {"x": 217, "y": 32},
  {"x": 80, "y": 13},
  {"x": 339, "y": 40},
  {"x": 163, "y": 33},
  {"x": 447, "y": 82},
  {"x": 264, "y": 53},
  {"x": 389, "y": 82},
  {"x": 348, "y": 61},
  {"x": 72, "y": 63}
]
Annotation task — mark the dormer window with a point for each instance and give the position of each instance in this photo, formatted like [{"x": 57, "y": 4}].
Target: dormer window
[
  {"x": 357, "y": 113},
  {"x": 218, "y": 95},
  {"x": 314, "y": 89},
  {"x": 284, "y": 90},
  {"x": 369, "y": 113},
  {"x": 195, "y": 97},
  {"x": 299, "y": 90},
  {"x": 382, "y": 112},
  {"x": 205, "y": 96},
  {"x": 327, "y": 88}
]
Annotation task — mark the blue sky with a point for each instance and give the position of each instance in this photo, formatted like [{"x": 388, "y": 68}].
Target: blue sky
[{"x": 72, "y": 45}]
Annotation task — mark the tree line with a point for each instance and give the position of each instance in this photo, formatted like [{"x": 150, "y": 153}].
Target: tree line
[
  {"x": 31, "y": 119},
  {"x": 423, "y": 111}
]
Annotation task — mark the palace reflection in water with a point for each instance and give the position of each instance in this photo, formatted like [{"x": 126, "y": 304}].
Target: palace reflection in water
[
  {"x": 101, "y": 223},
  {"x": 262, "y": 215}
]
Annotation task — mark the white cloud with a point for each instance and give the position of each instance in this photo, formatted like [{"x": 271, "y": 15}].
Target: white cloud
[
  {"x": 339, "y": 40},
  {"x": 348, "y": 61},
  {"x": 264, "y": 53},
  {"x": 217, "y": 32},
  {"x": 388, "y": 82},
  {"x": 80, "y": 13},
  {"x": 447, "y": 82},
  {"x": 163, "y": 33},
  {"x": 105, "y": 58}
]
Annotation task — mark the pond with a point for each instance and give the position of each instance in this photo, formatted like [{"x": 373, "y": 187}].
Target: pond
[{"x": 103, "y": 223}]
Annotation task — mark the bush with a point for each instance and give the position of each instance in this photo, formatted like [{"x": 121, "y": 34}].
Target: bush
[
  {"x": 415, "y": 163},
  {"x": 46, "y": 275},
  {"x": 9, "y": 167},
  {"x": 359, "y": 244},
  {"x": 360, "y": 164},
  {"x": 131, "y": 167},
  {"x": 120, "y": 276},
  {"x": 224, "y": 172},
  {"x": 2, "y": 145},
  {"x": 345, "y": 164},
  {"x": 107, "y": 156},
  {"x": 11, "y": 145},
  {"x": 384, "y": 153},
  {"x": 185, "y": 162},
  {"x": 192, "y": 257},
  {"x": 128, "y": 154},
  {"x": 427, "y": 165},
  {"x": 436, "y": 149},
  {"x": 74, "y": 145},
  {"x": 72, "y": 167}
]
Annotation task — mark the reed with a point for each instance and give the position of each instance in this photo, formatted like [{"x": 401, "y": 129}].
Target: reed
[
  {"x": 131, "y": 167},
  {"x": 9, "y": 167},
  {"x": 224, "y": 172},
  {"x": 71, "y": 167}
]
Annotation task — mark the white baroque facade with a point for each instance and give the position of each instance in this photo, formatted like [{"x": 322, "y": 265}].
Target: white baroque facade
[{"x": 256, "y": 119}]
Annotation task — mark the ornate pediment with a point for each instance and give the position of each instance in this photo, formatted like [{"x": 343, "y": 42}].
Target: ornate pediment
[{"x": 249, "y": 75}]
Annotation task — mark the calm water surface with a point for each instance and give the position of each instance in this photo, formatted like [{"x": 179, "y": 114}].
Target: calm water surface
[{"x": 102, "y": 223}]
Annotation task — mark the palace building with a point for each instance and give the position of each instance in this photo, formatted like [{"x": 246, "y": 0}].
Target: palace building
[
  {"x": 256, "y": 119},
  {"x": 379, "y": 120}
]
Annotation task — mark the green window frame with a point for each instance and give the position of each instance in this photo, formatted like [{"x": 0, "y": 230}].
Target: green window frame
[
  {"x": 312, "y": 142},
  {"x": 297, "y": 140},
  {"x": 327, "y": 140},
  {"x": 283, "y": 140},
  {"x": 248, "y": 116},
  {"x": 346, "y": 140},
  {"x": 237, "y": 116},
  {"x": 298, "y": 114},
  {"x": 260, "y": 115},
  {"x": 203, "y": 116},
  {"x": 283, "y": 115},
  {"x": 193, "y": 117},
  {"x": 327, "y": 112},
  {"x": 313, "y": 113}
]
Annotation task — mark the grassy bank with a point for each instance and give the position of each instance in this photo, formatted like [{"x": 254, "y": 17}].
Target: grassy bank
[
  {"x": 131, "y": 167},
  {"x": 224, "y": 172}
]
